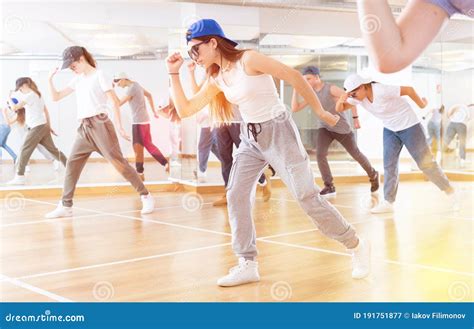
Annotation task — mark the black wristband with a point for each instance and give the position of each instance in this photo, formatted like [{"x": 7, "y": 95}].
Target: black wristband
[
  {"x": 173, "y": 73},
  {"x": 356, "y": 117}
]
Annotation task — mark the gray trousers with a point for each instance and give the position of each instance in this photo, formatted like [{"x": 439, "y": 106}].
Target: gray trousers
[
  {"x": 39, "y": 135},
  {"x": 97, "y": 134},
  {"x": 460, "y": 129},
  {"x": 348, "y": 141},
  {"x": 277, "y": 142}
]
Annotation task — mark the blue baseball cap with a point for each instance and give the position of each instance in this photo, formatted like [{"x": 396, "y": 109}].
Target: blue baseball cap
[
  {"x": 205, "y": 27},
  {"x": 311, "y": 70}
]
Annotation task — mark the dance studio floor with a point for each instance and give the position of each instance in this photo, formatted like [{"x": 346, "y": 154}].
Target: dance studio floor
[
  {"x": 102, "y": 172},
  {"x": 109, "y": 252}
]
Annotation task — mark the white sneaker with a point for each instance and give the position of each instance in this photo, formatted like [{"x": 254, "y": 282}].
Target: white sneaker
[
  {"x": 27, "y": 168},
  {"x": 454, "y": 201},
  {"x": 245, "y": 272},
  {"x": 56, "y": 165},
  {"x": 17, "y": 180},
  {"x": 175, "y": 163},
  {"x": 148, "y": 204},
  {"x": 382, "y": 208},
  {"x": 60, "y": 211},
  {"x": 361, "y": 259}
]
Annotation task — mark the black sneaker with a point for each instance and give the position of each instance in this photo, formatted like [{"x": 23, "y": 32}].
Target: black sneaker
[
  {"x": 272, "y": 170},
  {"x": 374, "y": 183},
  {"x": 328, "y": 191}
]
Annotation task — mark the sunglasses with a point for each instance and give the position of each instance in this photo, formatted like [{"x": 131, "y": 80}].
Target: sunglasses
[
  {"x": 117, "y": 80},
  {"x": 194, "y": 51}
]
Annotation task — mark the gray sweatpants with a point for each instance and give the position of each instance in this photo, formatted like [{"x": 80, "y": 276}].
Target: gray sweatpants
[
  {"x": 278, "y": 143},
  {"x": 97, "y": 134},
  {"x": 39, "y": 135}
]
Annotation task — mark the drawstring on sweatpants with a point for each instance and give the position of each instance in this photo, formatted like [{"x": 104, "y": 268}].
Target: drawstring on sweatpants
[
  {"x": 252, "y": 128},
  {"x": 88, "y": 121}
]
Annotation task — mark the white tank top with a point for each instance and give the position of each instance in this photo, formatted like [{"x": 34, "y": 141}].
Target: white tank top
[{"x": 256, "y": 95}]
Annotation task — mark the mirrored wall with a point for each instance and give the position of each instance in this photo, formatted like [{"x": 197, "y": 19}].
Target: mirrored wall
[{"x": 32, "y": 40}]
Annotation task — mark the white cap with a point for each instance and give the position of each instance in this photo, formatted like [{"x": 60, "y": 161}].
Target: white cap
[
  {"x": 120, "y": 75},
  {"x": 353, "y": 81}
]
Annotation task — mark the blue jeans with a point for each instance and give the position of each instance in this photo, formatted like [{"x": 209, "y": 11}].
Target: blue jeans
[
  {"x": 460, "y": 129},
  {"x": 434, "y": 136},
  {"x": 4, "y": 132},
  {"x": 414, "y": 140},
  {"x": 207, "y": 144}
]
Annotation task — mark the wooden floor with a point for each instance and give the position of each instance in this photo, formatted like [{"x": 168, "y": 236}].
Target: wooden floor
[
  {"x": 109, "y": 252},
  {"x": 101, "y": 172}
]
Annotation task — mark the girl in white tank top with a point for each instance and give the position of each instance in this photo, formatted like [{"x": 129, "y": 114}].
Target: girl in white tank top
[
  {"x": 256, "y": 95},
  {"x": 244, "y": 78}
]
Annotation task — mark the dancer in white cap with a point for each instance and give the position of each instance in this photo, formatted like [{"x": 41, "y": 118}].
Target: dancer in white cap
[{"x": 401, "y": 128}]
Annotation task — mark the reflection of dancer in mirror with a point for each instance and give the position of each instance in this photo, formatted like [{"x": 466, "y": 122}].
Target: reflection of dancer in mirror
[
  {"x": 328, "y": 95},
  {"x": 96, "y": 132},
  {"x": 395, "y": 44},
  {"x": 169, "y": 112},
  {"x": 7, "y": 120},
  {"x": 141, "y": 133},
  {"x": 207, "y": 136},
  {"x": 435, "y": 118},
  {"x": 269, "y": 135},
  {"x": 226, "y": 136},
  {"x": 401, "y": 128},
  {"x": 48, "y": 156},
  {"x": 207, "y": 143},
  {"x": 458, "y": 115},
  {"x": 18, "y": 117},
  {"x": 38, "y": 125},
  {"x": 174, "y": 121}
]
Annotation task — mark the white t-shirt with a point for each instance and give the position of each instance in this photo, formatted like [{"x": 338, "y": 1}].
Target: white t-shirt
[
  {"x": 90, "y": 93},
  {"x": 460, "y": 115},
  {"x": 388, "y": 106},
  {"x": 34, "y": 109}
]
